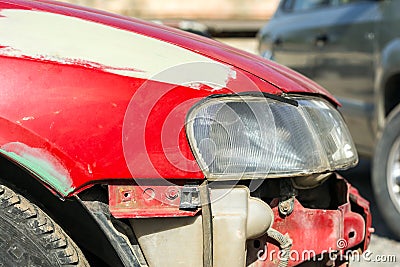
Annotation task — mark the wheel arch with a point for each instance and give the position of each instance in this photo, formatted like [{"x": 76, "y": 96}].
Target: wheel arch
[
  {"x": 40, "y": 157},
  {"x": 70, "y": 213},
  {"x": 390, "y": 76},
  {"x": 391, "y": 93}
]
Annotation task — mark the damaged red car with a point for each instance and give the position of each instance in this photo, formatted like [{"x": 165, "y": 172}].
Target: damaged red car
[{"x": 125, "y": 143}]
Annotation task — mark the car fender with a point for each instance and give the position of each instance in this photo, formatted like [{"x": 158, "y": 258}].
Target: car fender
[{"x": 66, "y": 99}]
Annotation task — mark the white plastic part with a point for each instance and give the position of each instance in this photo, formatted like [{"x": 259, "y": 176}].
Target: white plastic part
[
  {"x": 237, "y": 217},
  {"x": 170, "y": 241},
  {"x": 259, "y": 218}
]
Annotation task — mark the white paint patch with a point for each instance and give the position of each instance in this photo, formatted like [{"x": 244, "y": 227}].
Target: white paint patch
[
  {"x": 73, "y": 41},
  {"x": 28, "y": 118},
  {"x": 192, "y": 75}
]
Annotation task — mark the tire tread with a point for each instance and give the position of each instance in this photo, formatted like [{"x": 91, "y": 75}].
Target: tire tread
[{"x": 51, "y": 237}]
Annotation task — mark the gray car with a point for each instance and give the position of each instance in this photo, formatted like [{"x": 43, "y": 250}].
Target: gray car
[{"x": 352, "y": 48}]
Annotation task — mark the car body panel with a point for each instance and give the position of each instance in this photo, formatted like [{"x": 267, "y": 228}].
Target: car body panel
[
  {"x": 68, "y": 81},
  {"x": 348, "y": 56},
  {"x": 335, "y": 46},
  {"x": 388, "y": 65},
  {"x": 248, "y": 62}
]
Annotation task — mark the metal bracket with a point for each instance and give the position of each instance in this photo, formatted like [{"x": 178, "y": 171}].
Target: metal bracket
[
  {"x": 190, "y": 197},
  {"x": 148, "y": 201}
]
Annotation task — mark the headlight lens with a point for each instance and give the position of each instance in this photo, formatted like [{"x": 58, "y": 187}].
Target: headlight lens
[{"x": 257, "y": 137}]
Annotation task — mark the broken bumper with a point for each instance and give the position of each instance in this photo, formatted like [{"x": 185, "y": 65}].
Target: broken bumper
[{"x": 317, "y": 234}]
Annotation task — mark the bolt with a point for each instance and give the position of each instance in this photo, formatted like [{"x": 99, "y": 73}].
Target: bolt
[
  {"x": 172, "y": 193},
  {"x": 286, "y": 207},
  {"x": 149, "y": 194}
]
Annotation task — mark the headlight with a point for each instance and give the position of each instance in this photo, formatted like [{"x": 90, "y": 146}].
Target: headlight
[{"x": 257, "y": 137}]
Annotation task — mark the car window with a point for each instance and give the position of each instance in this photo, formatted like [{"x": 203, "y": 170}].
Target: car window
[
  {"x": 342, "y": 2},
  {"x": 303, "y": 5}
]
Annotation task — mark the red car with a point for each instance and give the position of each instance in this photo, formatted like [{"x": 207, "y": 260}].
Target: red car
[{"x": 125, "y": 143}]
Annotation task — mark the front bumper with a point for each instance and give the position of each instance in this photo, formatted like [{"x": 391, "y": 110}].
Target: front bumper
[
  {"x": 318, "y": 234},
  {"x": 238, "y": 225}
]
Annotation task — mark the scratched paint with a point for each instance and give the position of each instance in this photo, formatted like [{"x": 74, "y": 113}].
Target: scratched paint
[
  {"x": 40, "y": 163},
  {"x": 73, "y": 41}
]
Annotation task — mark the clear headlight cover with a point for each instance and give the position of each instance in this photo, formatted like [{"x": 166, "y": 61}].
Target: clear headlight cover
[{"x": 257, "y": 137}]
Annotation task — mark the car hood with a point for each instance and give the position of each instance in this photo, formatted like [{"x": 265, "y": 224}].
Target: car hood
[{"x": 285, "y": 79}]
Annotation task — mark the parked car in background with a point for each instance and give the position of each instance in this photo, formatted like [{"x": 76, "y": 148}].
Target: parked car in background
[
  {"x": 352, "y": 48},
  {"x": 127, "y": 143}
]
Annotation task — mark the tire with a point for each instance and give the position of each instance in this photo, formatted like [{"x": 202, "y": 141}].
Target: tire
[
  {"x": 29, "y": 237},
  {"x": 385, "y": 182}
]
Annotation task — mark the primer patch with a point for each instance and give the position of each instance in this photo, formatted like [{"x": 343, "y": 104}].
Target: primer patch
[
  {"x": 40, "y": 163},
  {"x": 73, "y": 41}
]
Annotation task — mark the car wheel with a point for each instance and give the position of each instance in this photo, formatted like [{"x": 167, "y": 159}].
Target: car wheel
[
  {"x": 386, "y": 172},
  {"x": 29, "y": 237}
]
